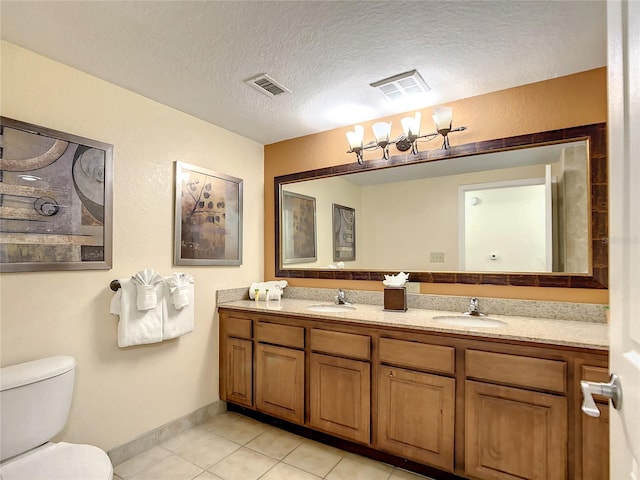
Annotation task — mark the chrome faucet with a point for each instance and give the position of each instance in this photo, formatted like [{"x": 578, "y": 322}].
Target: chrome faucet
[
  {"x": 474, "y": 310},
  {"x": 341, "y": 298}
]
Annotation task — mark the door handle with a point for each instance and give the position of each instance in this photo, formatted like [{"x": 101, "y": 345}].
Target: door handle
[{"x": 612, "y": 390}]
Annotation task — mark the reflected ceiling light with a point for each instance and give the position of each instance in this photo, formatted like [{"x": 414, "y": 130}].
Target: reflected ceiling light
[
  {"x": 442, "y": 117},
  {"x": 29, "y": 178},
  {"x": 350, "y": 113}
]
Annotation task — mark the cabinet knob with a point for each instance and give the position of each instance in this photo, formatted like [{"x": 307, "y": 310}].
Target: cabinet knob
[{"x": 391, "y": 373}]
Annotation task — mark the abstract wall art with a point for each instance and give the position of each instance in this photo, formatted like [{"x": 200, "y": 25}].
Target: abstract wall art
[{"x": 55, "y": 200}]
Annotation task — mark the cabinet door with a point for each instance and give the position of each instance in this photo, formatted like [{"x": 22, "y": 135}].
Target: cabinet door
[
  {"x": 280, "y": 382},
  {"x": 512, "y": 433},
  {"x": 595, "y": 430},
  {"x": 340, "y": 397},
  {"x": 239, "y": 371},
  {"x": 595, "y": 445},
  {"x": 415, "y": 416}
]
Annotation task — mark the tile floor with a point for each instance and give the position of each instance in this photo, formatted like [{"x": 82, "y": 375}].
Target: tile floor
[{"x": 230, "y": 446}]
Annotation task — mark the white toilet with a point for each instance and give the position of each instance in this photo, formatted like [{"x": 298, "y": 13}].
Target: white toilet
[{"x": 35, "y": 398}]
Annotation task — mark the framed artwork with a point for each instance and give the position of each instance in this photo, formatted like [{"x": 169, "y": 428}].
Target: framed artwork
[
  {"x": 208, "y": 217},
  {"x": 56, "y": 200},
  {"x": 344, "y": 233},
  {"x": 298, "y": 225}
]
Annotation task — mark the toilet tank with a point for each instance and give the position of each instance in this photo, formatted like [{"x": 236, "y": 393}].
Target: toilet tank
[{"x": 35, "y": 398}]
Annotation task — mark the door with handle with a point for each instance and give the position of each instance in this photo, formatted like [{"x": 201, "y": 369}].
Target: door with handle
[{"x": 623, "y": 71}]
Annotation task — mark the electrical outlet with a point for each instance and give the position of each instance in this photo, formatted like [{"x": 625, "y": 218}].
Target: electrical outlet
[
  {"x": 414, "y": 287},
  {"x": 436, "y": 257}
]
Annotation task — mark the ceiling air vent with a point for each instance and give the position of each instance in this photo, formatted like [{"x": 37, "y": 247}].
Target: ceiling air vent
[
  {"x": 402, "y": 85},
  {"x": 267, "y": 85}
]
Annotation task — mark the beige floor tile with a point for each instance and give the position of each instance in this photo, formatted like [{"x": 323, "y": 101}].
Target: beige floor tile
[
  {"x": 354, "y": 468},
  {"x": 399, "y": 474},
  {"x": 241, "y": 430},
  {"x": 170, "y": 468},
  {"x": 220, "y": 420},
  {"x": 140, "y": 462},
  {"x": 275, "y": 442},
  {"x": 282, "y": 471},
  {"x": 314, "y": 458},
  {"x": 207, "y": 476},
  {"x": 116, "y": 477},
  {"x": 243, "y": 464},
  {"x": 208, "y": 450},
  {"x": 179, "y": 441}
]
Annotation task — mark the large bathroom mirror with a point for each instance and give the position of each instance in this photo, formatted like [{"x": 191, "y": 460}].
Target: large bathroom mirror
[{"x": 527, "y": 210}]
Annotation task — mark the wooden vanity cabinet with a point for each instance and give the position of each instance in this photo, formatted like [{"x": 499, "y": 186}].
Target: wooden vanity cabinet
[
  {"x": 483, "y": 409},
  {"x": 415, "y": 415},
  {"x": 340, "y": 384}
]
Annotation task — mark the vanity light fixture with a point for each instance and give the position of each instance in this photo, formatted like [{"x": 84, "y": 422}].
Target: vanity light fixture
[
  {"x": 442, "y": 117},
  {"x": 356, "y": 142},
  {"x": 382, "y": 131}
]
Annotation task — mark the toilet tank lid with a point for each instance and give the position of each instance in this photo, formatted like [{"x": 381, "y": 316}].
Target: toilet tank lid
[{"x": 25, "y": 373}]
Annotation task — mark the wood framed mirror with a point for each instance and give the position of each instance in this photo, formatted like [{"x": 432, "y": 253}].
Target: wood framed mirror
[{"x": 577, "y": 256}]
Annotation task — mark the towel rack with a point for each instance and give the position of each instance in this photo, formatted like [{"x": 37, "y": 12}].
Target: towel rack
[{"x": 114, "y": 285}]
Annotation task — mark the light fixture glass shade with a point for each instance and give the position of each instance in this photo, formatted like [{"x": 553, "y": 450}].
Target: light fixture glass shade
[
  {"x": 381, "y": 131},
  {"x": 442, "y": 117},
  {"x": 411, "y": 125},
  {"x": 356, "y": 138}
]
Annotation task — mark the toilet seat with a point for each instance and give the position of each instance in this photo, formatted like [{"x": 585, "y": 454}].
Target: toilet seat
[{"x": 59, "y": 461}]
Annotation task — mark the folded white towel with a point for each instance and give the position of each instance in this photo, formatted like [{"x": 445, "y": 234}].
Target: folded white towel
[
  {"x": 146, "y": 282},
  {"x": 146, "y": 297},
  {"x": 136, "y": 327},
  {"x": 275, "y": 289},
  {"x": 179, "y": 289},
  {"x": 178, "y": 305}
]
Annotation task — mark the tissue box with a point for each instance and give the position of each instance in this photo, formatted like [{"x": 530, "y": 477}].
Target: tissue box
[{"x": 395, "y": 299}]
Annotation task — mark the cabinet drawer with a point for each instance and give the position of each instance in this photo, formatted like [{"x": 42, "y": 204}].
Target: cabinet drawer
[
  {"x": 284, "y": 335},
  {"x": 528, "y": 372},
  {"x": 421, "y": 356},
  {"x": 238, "y": 327},
  {"x": 340, "y": 343}
]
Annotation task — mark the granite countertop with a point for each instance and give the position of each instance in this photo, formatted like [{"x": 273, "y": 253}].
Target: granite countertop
[{"x": 540, "y": 330}]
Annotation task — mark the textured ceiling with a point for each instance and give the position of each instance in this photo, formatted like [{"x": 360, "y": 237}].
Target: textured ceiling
[{"x": 195, "y": 55}]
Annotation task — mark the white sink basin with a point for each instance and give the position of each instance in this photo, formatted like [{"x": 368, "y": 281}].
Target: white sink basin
[
  {"x": 469, "y": 321},
  {"x": 331, "y": 308}
]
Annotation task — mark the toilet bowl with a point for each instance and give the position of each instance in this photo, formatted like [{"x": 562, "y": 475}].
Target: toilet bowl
[
  {"x": 35, "y": 398},
  {"x": 59, "y": 461}
]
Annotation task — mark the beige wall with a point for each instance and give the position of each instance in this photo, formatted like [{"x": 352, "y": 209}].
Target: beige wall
[
  {"x": 122, "y": 393},
  {"x": 574, "y": 100}
]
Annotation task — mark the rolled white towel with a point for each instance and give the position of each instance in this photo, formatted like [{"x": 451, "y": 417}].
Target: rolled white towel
[{"x": 275, "y": 289}]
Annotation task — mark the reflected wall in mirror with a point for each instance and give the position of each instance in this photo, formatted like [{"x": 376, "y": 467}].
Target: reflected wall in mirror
[{"x": 467, "y": 215}]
